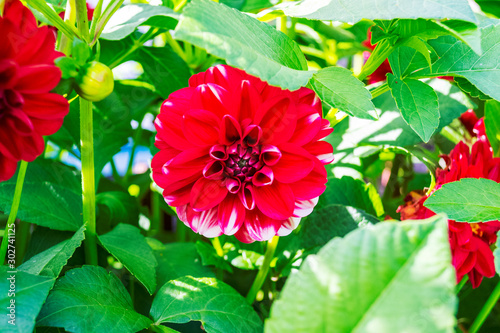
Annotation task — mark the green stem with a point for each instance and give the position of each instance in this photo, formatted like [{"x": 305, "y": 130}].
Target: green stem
[
  {"x": 451, "y": 134},
  {"x": 13, "y": 210},
  {"x": 175, "y": 46},
  {"x": 95, "y": 17},
  {"x": 137, "y": 136},
  {"x": 87, "y": 152},
  {"x": 264, "y": 269},
  {"x": 485, "y": 311},
  {"x": 380, "y": 90},
  {"x": 217, "y": 246},
  {"x": 112, "y": 7},
  {"x": 52, "y": 16},
  {"x": 88, "y": 180},
  {"x": 461, "y": 284}
]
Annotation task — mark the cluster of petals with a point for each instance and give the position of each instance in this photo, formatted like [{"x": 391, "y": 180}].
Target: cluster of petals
[
  {"x": 240, "y": 157},
  {"x": 470, "y": 242},
  {"x": 28, "y": 110}
]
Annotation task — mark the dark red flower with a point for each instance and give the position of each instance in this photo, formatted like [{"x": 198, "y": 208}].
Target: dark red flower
[
  {"x": 469, "y": 120},
  {"x": 28, "y": 111},
  {"x": 470, "y": 242},
  {"x": 380, "y": 73},
  {"x": 238, "y": 156}
]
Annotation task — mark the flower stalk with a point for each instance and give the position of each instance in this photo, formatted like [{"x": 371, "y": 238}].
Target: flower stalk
[
  {"x": 13, "y": 211},
  {"x": 485, "y": 311},
  {"x": 264, "y": 269},
  {"x": 87, "y": 153}
]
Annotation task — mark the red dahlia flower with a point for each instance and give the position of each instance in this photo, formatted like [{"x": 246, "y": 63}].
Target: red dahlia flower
[
  {"x": 27, "y": 74},
  {"x": 238, "y": 156},
  {"x": 470, "y": 242}
]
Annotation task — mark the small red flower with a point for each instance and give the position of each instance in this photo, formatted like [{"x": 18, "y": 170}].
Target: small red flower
[
  {"x": 240, "y": 157},
  {"x": 470, "y": 242},
  {"x": 27, "y": 74}
]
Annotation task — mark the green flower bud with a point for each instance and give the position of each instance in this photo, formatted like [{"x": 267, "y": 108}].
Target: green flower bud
[{"x": 95, "y": 81}]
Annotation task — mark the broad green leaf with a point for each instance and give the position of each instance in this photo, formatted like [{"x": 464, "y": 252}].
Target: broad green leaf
[
  {"x": 25, "y": 299},
  {"x": 467, "y": 200},
  {"x": 163, "y": 68},
  {"x": 354, "y": 11},
  {"x": 348, "y": 191},
  {"x": 458, "y": 59},
  {"x": 51, "y": 196},
  {"x": 391, "y": 129},
  {"x": 418, "y": 104},
  {"x": 392, "y": 277},
  {"x": 331, "y": 221},
  {"x": 469, "y": 88},
  {"x": 215, "y": 304},
  {"x": 89, "y": 299},
  {"x": 338, "y": 87},
  {"x": 244, "y": 42},
  {"x": 126, "y": 243},
  {"x": 492, "y": 125},
  {"x": 178, "y": 259},
  {"x": 51, "y": 261},
  {"x": 247, "y": 5},
  {"x": 129, "y": 17}
]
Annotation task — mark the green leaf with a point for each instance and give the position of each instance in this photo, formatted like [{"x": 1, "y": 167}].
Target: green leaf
[
  {"x": 50, "y": 197},
  {"x": 215, "y": 304},
  {"x": 244, "y": 42},
  {"x": 470, "y": 88},
  {"x": 492, "y": 125},
  {"x": 51, "y": 261},
  {"x": 209, "y": 256},
  {"x": 391, "y": 129},
  {"x": 178, "y": 259},
  {"x": 27, "y": 297},
  {"x": 331, "y": 221},
  {"x": 348, "y": 191},
  {"x": 338, "y": 87},
  {"x": 163, "y": 68},
  {"x": 354, "y": 11},
  {"x": 89, "y": 299},
  {"x": 392, "y": 277},
  {"x": 129, "y": 17},
  {"x": 467, "y": 200},
  {"x": 418, "y": 104},
  {"x": 496, "y": 254},
  {"x": 458, "y": 59},
  {"x": 116, "y": 207},
  {"x": 126, "y": 243}
]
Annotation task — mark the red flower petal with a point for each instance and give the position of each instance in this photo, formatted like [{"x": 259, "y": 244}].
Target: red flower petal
[
  {"x": 260, "y": 227},
  {"x": 311, "y": 186},
  {"x": 7, "y": 168},
  {"x": 231, "y": 214},
  {"x": 277, "y": 118},
  {"x": 294, "y": 164},
  {"x": 213, "y": 98},
  {"x": 205, "y": 223},
  {"x": 230, "y": 130},
  {"x": 207, "y": 194},
  {"x": 276, "y": 200},
  {"x": 201, "y": 127},
  {"x": 37, "y": 79},
  {"x": 322, "y": 150}
]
